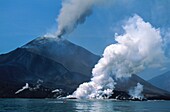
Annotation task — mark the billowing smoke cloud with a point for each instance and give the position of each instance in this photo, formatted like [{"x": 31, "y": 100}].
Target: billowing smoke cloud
[
  {"x": 74, "y": 12},
  {"x": 140, "y": 47},
  {"x": 136, "y": 92}
]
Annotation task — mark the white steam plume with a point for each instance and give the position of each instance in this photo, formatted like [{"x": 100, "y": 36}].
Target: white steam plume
[
  {"x": 136, "y": 92},
  {"x": 140, "y": 47},
  {"x": 74, "y": 12},
  {"x": 23, "y": 88}
]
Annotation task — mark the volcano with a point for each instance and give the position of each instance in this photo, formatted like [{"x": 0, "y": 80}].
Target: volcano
[{"x": 55, "y": 67}]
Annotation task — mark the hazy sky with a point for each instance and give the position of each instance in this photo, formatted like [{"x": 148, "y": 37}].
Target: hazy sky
[{"x": 24, "y": 20}]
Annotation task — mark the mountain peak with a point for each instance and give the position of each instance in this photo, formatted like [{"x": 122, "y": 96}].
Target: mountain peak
[
  {"x": 49, "y": 42},
  {"x": 73, "y": 57}
]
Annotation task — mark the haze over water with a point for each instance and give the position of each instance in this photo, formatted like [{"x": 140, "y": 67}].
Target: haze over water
[{"x": 53, "y": 105}]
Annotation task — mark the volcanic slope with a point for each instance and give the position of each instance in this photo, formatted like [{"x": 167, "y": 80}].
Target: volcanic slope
[{"x": 55, "y": 67}]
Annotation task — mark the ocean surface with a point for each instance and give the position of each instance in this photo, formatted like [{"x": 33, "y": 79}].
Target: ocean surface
[{"x": 53, "y": 105}]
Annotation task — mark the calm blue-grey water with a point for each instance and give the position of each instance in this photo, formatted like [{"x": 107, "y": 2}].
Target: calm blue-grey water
[{"x": 52, "y": 105}]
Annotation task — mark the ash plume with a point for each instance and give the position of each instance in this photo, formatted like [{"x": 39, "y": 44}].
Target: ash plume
[
  {"x": 73, "y": 13},
  {"x": 140, "y": 47}
]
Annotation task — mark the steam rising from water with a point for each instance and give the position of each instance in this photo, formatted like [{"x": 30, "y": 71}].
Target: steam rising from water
[
  {"x": 74, "y": 12},
  {"x": 140, "y": 47},
  {"x": 136, "y": 92}
]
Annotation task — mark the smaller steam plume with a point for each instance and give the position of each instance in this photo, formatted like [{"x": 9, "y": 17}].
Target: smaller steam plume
[
  {"x": 23, "y": 88},
  {"x": 136, "y": 92},
  {"x": 73, "y": 13},
  {"x": 140, "y": 47}
]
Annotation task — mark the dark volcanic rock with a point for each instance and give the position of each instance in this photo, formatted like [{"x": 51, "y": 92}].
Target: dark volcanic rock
[
  {"x": 21, "y": 66},
  {"x": 120, "y": 95}
]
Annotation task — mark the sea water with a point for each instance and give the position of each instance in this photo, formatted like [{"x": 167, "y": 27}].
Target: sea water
[{"x": 54, "y": 105}]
